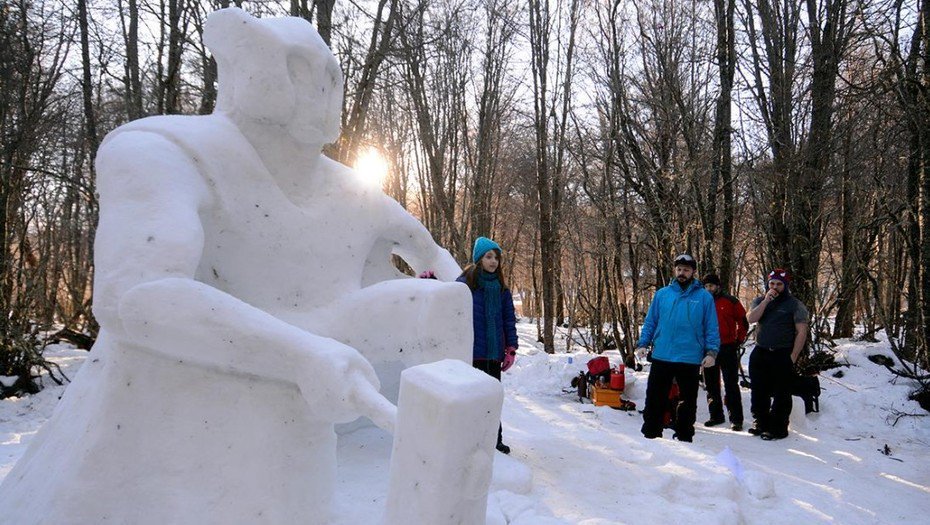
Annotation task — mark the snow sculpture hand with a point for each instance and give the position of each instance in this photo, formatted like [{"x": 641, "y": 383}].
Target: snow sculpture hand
[
  {"x": 510, "y": 355},
  {"x": 709, "y": 361},
  {"x": 340, "y": 385}
]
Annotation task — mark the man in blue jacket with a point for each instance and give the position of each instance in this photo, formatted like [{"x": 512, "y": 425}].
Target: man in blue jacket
[{"x": 682, "y": 327}]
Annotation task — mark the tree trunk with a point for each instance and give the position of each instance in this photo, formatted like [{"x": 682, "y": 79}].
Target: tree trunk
[
  {"x": 539, "y": 50},
  {"x": 131, "y": 79},
  {"x": 90, "y": 121},
  {"x": 301, "y": 9},
  {"x": 176, "y": 35},
  {"x": 849, "y": 273},
  {"x": 324, "y": 18},
  {"x": 924, "y": 202},
  {"x": 721, "y": 163},
  {"x": 829, "y": 32},
  {"x": 779, "y": 36}
]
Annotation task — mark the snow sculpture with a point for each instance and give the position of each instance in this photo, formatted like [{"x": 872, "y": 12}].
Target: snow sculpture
[{"x": 247, "y": 303}]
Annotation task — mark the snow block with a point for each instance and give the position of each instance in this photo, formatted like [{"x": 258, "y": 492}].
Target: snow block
[{"x": 444, "y": 440}]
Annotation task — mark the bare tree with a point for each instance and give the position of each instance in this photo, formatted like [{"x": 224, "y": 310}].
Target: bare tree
[
  {"x": 131, "y": 79},
  {"x": 324, "y": 18},
  {"x": 722, "y": 156},
  {"x": 356, "y": 116},
  {"x": 500, "y": 30},
  {"x": 540, "y": 27},
  {"x": 33, "y": 45},
  {"x": 90, "y": 120}
]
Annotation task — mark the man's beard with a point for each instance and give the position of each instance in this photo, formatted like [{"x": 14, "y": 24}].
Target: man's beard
[{"x": 683, "y": 279}]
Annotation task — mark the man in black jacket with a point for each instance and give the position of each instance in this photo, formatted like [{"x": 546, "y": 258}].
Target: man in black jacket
[
  {"x": 731, "y": 318},
  {"x": 783, "y": 322}
]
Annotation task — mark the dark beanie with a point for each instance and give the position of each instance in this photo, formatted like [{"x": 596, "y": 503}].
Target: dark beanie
[
  {"x": 711, "y": 278},
  {"x": 780, "y": 274}
]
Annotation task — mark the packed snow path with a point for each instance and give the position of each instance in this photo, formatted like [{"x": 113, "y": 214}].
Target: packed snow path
[{"x": 591, "y": 466}]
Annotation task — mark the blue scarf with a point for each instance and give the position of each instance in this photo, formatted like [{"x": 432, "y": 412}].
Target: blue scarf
[{"x": 491, "y": 285}]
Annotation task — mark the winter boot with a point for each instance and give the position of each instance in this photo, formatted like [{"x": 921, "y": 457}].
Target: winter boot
[
  {"x": 771, "y": 436},
  {"x": 755, "y": 429},
  {"x": 714, "y": 421},
  {"x": 736, "y": 427}
]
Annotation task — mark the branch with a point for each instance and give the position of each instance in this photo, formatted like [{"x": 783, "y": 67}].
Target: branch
[{"x": 898, "y": 415}]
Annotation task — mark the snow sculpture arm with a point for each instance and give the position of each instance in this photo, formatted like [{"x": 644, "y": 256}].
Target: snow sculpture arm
[
  {"x": 149, "y": 244},
  {"x": 412, "y": 241}
]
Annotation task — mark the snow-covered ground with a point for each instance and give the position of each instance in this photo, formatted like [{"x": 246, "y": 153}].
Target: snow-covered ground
[{"x": 591, "y": 466}]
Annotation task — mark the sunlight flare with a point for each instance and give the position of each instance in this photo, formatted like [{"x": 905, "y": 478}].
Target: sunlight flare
[{"x": 372, "y": 167}]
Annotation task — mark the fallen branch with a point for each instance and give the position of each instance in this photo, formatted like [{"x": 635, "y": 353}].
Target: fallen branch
[
  {"x": 898, "y": 415},
  {"x": 47, "y": 366}
]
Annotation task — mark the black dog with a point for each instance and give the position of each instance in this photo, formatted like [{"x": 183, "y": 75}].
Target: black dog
[{"x": 808, "y": 389}]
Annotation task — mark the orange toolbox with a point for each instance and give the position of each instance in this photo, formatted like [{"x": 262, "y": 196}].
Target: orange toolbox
[
  {"x": 606, "y": 396},
  {"x": 603, "y": 396}
]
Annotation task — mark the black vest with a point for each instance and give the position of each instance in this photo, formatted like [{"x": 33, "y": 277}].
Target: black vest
[{"x": 776, "y": 326}]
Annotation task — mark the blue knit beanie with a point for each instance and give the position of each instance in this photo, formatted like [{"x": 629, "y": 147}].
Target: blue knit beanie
[{"x": 482, "y": 246}]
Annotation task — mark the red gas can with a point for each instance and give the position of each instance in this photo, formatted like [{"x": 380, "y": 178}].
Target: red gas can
[{"x": 617, "y": 381}]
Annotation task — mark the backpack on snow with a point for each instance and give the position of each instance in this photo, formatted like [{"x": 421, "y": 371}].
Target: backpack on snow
[
  {"x": 598, "y": 365},
  {"x": 581, "y": 383},
  {"x": 599, "y": 371}
]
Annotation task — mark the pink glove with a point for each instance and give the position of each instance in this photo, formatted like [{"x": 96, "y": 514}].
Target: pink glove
[
  {"x": 510, "y": 355},
  {"x": 428, "y": 274}
]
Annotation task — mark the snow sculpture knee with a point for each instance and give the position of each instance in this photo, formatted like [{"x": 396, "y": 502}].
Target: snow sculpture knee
[{"x": 241, "y": 278}]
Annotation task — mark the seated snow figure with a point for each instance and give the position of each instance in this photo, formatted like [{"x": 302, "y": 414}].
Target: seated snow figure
[{"x": 247, "y": 303}]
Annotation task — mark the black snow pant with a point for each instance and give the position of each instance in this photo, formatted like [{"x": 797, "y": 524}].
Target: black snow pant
[
  {"x": 492, "y": 367},
  {"x": 728, "y": 365},
  {"x": 661, "y": 375},
  {"x": 771, "y": 372}
]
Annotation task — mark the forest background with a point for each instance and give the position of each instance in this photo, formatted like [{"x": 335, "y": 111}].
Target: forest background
[{"x": 593, "y": 139}]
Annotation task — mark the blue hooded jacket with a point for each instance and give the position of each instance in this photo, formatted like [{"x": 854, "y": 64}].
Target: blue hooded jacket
[
  {"x": 681, "y": 324},
  {"x": 506, "y": 324}
]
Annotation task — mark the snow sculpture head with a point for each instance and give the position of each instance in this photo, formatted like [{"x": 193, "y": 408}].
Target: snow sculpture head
[{"x": 276, "y": 72}]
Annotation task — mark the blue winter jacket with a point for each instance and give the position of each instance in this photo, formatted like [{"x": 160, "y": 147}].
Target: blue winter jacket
[
  {"x": 506, "y": 325},
  {"x": 681, "y": 324}
]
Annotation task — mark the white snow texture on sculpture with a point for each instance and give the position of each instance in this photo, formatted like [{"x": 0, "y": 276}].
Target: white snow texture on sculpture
[{"x": 247, "y": 302}]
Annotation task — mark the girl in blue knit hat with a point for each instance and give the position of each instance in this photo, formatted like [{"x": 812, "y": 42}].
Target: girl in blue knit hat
[{"x": 495, "y": 323}]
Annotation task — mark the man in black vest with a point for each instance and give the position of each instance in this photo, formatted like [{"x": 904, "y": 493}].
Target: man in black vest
[{"x": 782, "y": 332}]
